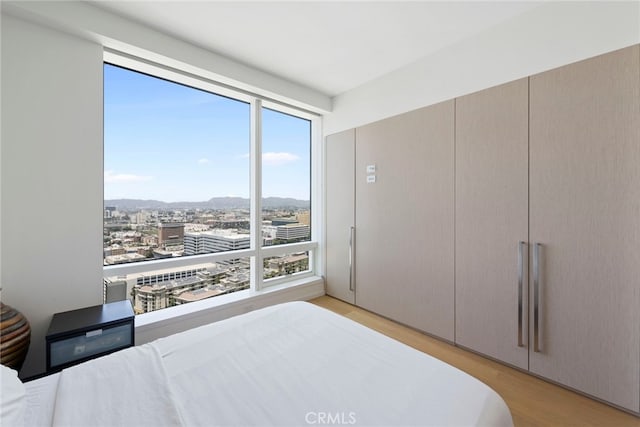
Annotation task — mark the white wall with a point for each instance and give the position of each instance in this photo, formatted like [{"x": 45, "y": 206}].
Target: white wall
[
  {"x": 51, "y": 175},
  {"x": 554, "y": 34}
]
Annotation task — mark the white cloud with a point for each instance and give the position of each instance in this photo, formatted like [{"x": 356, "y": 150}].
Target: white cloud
[
  {"x": 114, "y": 178},
  {"x": 274, "y": 159},
  {"x": 203, "y": 161},
  {"x": 278, "y": 159}
]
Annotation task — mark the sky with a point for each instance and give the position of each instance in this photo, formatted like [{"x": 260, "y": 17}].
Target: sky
[{"x": 169, "y": 142}]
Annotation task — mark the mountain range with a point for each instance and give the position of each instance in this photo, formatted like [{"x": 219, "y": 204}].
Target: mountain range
[{"x": 213, "y": 203}]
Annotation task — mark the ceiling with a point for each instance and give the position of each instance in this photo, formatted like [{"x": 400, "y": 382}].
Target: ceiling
[{"x": 331, "y": 47}]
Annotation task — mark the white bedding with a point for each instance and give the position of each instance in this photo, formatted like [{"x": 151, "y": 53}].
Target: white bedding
[
  {"x": 295, "y": 364},
  {"x": 40, "y": 401},
  {"x": 126, "y": 389}
]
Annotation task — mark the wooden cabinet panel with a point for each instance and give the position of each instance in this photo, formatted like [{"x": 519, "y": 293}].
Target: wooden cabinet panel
[
  {"x": 340, "y": 205},
  {"x": 491, "y": 219},
  {"x": 585, "y": 212},
  {"x": 405, "y": 219}
]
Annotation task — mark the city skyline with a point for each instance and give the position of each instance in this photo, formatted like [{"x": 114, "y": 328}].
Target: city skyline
[{"x": 206, "y": 200}]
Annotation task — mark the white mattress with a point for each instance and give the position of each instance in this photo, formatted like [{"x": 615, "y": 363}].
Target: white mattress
[{"x": 298, "y": 364}]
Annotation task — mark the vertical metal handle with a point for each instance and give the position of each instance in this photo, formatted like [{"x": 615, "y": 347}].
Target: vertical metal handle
[
  {"x": 352, "y": 230},
  {"x": 520, "y": 291},
  {"x": 536, "y": 297}
]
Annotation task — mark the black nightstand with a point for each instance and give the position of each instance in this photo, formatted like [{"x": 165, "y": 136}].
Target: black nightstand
[{"x": 79, "y": 335}]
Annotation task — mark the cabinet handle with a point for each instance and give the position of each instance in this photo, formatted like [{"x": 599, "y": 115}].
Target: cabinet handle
[
  {"x": 536, "y": 297},
  {"x": 521, "y": 246},
  {"x": 352, "y": 231}
]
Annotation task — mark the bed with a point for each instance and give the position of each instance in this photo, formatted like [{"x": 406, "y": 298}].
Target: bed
[{"x": 285, "y": 365}]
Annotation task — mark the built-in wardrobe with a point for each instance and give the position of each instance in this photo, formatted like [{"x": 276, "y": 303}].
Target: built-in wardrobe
[
  {"x": 392, "y": 209},
  {"x": 506, "y": 221}
]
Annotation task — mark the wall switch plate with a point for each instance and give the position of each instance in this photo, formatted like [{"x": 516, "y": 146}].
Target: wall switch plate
[
  {"x": 371, "y": 179},
  {"x": 371, "y": 168}
]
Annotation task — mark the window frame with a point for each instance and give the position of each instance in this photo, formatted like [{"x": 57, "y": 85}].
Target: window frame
[{"x": 256, "y": 253}]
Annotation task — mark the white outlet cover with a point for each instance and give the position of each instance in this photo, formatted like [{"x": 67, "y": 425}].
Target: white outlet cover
[
  {"x": 371, "y": 179},
  {"x": 371, "y": 168}
]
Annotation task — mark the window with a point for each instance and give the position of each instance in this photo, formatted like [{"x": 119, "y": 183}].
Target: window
[
  {"x": 286, "y": 187},
  {"x": 178, "y": 178}
]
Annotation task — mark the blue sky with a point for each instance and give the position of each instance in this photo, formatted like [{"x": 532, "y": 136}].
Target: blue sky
[{"x": 169, "y": 142}]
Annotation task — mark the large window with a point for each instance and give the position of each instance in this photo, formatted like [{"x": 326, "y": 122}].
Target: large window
[{"x": 180, "y": 219}]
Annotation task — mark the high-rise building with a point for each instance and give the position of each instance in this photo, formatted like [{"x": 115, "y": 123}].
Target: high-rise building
[
  {"x": 293, "y": 232},
  {"x": 170, "y": 233},
  {"x": 114, "y": 289},
  {"x": 207, "y": 242}
]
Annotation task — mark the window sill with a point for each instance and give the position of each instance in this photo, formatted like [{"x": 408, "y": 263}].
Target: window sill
[{"x": 157, "y": 324}]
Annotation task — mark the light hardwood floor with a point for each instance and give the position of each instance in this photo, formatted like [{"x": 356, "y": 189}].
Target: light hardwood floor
[{"x": 532, "y": 401}]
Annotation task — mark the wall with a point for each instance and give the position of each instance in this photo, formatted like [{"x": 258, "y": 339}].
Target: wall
[
  {"x": 51, "y": 175},
  {"x": 554, "y": 34}
]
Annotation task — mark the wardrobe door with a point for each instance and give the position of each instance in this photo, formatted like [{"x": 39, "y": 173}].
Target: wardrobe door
[
  {"x": 492, "y": 222},
  {"x": 585, "y": 223},
  {"x": 404, "y": 217},
  {"x": 340, "y": 215}
]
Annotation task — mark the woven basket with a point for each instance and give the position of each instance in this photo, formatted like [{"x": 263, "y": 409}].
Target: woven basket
[{"x": 15, "y": 335}]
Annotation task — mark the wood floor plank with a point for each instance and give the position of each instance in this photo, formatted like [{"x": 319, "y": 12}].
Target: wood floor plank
[{"x": 532, "y": 401}]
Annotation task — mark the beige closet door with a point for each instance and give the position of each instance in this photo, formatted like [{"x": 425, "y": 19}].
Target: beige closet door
[
  {"x": 491, "y": 220},
  {"x": 585, "y": 214},
  {"x": 404, "y": 254},
  {"x": 340, "y": 215}
]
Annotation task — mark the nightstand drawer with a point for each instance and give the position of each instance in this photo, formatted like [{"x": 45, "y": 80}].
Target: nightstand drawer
[
  {"x": 79, "y": 335},
  {"x": 91, "y": 343}
]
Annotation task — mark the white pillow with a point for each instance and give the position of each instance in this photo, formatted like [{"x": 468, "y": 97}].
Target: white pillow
[{"x": 12, "y": 402}]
